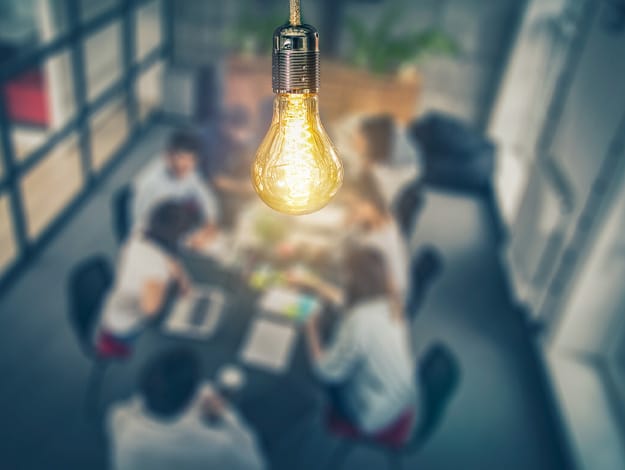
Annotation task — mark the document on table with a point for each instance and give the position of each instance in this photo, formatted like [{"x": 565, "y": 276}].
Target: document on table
[
  {"x": 269, "y": 345},
  {"x": 290, "y": 303}
]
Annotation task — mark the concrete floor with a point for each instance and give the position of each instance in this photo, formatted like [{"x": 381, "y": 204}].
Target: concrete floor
[{"x": 501, "y": 417}]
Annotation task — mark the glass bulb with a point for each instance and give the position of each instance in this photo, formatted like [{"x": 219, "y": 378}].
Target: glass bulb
[{"x": 296, "y": 170}]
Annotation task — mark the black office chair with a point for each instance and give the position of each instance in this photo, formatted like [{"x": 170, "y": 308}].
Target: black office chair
[
  {"x": 437, "y": 377},
  {"x": 455, "y": 155},
  {"x": 425, "y": 267},
  {"x": 88, "y": 283},
  {"x": 121, "y": 206},
  {"x": 407, "y": 207}
]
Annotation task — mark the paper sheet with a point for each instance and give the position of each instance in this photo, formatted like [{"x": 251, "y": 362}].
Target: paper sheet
[
  {"x": 269, "y": 345},
  {"x": 289, "y": 303}
]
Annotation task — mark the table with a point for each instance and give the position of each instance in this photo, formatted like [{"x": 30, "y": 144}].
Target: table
[{"x": 273, "y": 404}]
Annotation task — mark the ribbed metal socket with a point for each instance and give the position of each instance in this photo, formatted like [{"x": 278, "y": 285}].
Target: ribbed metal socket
[{"x": 295, "y": 59}]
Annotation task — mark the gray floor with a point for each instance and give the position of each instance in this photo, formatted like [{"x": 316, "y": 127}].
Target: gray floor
[{"x": 500, "y": 418}]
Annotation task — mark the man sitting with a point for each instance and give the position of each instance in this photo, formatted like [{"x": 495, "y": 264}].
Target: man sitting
[
  {"x": 174, "y": 424},
  {"x": 175, "y": 178}
]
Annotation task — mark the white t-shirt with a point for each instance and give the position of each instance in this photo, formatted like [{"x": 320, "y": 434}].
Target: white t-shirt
[
  {"x": 140, "y": 261},
  {"x": 371, "y": 358},
  {"x": 390, "y": 243},
  {"x": 403, "y": 168},
  {"x": 156, "y": 185},
  {"x": 142, "y": 441}
]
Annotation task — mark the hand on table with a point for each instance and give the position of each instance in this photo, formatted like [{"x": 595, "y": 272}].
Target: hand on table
[
  {"x": 181, "y": 277},
  {"x": 202, "y": 237},
  {"x": 212, "y": 405}
]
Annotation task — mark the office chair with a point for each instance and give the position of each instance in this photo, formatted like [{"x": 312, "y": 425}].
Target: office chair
[
  {"x": 455, "y": 155},
  {"x": 88, "y": 283},
  {"x": 121, "y": 206},
  {"x": 425, "y": 267},
  {"x": 407, "y": 207},
  {"x": 437, "y": 377}
]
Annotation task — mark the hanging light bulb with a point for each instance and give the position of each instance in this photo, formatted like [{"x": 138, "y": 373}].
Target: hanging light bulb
[{"x": 296, "y": 169}]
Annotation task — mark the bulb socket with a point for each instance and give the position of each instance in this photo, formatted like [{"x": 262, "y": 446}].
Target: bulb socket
[{"x": 295, "y": 59}]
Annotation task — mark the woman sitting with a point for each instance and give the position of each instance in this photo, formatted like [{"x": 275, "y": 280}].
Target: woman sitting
[
  {"x": 383, "y": 149},
  {"x": 372, "y": 224},
  {"x": 368, "y": 367},
  {"x": 146, "y": 268}
]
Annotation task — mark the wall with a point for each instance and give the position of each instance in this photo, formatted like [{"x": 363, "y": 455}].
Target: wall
[
  {"x": 463, "y": 85},
  {"x": 555, "y": 120}
]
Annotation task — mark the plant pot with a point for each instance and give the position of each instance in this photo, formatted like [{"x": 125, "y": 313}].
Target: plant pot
[{"x": 346, "y": 90}]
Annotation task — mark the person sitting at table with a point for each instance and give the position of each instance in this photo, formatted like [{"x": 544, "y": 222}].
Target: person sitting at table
[
  {"x": 372, "y": 224},
  {"x": 174, "y": 177},
  {"x": 145, "y": 269},
  {"x": 177, "y": 423},
  {"x": 382, "y": 148},
  {"x": 368, "y": 367},
  {"x": 226, "y": 156}
]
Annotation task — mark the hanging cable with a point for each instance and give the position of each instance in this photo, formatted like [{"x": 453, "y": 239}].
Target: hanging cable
[{"x": 296, "y": 13}]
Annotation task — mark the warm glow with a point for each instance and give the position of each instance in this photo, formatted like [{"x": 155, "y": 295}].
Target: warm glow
[{"x": 296, "y": 170}]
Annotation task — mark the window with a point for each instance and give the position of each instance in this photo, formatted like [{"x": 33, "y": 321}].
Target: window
[
  {"x": 90, "y": 9},
  {"x": 109, "y": 130},
  {"x": 8, "y": 250},
  {"x": 1, "y": 164},
  {"x": 103, "y": 59},
  {"x": 52, "y": 18},
  {"x": 148, "y": 29},
  {"x": 149, "y": 89},
  {"x": 25, "y": 25},
  {"x": 39, "y": 101},
  {"x": 50, "y": 186},
  {"x": 42, "y": 100}
]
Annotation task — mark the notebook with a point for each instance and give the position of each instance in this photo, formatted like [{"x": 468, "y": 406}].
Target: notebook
[
  {"x": 289, "y": 303},
  {"x": 269, "y": 345}
]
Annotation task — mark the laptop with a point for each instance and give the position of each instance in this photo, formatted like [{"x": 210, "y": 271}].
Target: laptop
[{"x": 197, "y": 314}]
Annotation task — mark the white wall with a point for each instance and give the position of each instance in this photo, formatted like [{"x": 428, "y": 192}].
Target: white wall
[
  {"x": 557, "y": 177},
  {"x": 593, "y": 318}
]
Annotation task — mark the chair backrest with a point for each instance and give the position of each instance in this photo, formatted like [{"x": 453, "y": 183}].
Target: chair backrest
[
  {"x": 407, "y": 207},
  {"x": 438, "y": 377},
  {"x": 425, "y": 267},
  {"x": 88, "y": 284},
  {"x": 121, "y": 206}
]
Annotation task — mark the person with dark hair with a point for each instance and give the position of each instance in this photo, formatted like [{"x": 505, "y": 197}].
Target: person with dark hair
[
  {"x": 372, "y": 224},
  {"x": 175, "y": 178},
  {"x": 146, "y": 267},
  {"x": 176, "y": 422},
  {"x": 383, "y": 149},
  {"x": 226, "y": 156},
  {"x": 368, "y": 366}
]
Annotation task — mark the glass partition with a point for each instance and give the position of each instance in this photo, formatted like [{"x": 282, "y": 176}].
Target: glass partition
[
  {"x": 51, "y": 184},
  {"x": 103, "y": 59},
  {"x": 109, "y": 130},
  {"x": 39, "y": 101}
]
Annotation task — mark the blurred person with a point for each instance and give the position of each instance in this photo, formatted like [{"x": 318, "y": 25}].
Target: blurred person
[
  {"x": 382, "y": 148},
  {"x": 175, "y": 178},
  {"x": 226, "y": 157},
  {"x": 368, "y": 366},
  {"x": 372, "y": 224},
  {"x": 145, "y": 270},
  {"x": 177, "y": 423}
]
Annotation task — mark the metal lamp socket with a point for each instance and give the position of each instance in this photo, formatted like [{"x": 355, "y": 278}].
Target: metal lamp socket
[{"x": 295, "y": 59}]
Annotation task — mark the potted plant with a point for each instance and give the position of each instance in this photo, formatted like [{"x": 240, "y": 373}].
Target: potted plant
[{"x": 381, "y": 68}]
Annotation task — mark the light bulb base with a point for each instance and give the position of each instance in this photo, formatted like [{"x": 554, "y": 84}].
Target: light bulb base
[{"x": 295, "y": 59}]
